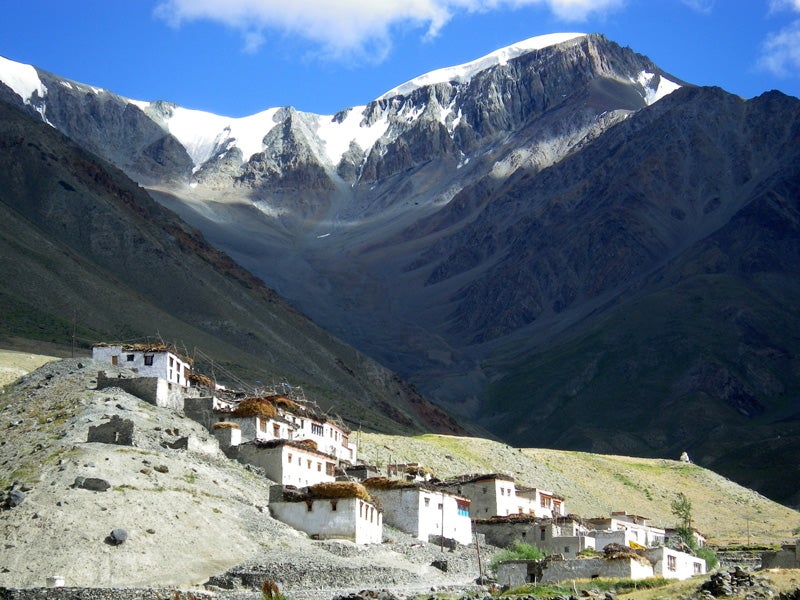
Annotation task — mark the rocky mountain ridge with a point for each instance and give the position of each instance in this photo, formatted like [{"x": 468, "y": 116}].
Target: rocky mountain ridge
[{"x": 552, "y": 247}]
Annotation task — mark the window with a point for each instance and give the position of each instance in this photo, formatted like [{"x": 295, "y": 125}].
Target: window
[
  {"x": 319, "y": 467},
  {"x": 129, "y": 357},
  {"x": 502, "y": 492},
  {"x": 333, "y": 505},
  {"x": 672, "y": 563},
  {"x": 309, "y": 462},
  {"x": 309, "y": 505},
  {"x": 289, "y": 458},
  {"x": 115, "y": 360},
  {"x": 276, "y": 430},
  {"x": 439, "y": 506},
  {"x": 698, "y": 568},
  {"x": 170, "y": 362},
  {"x": 542, "y": 533},
  {"x": 317, "y": 429},
  {"x": 262, "y": 425},
  {"x": 148, "y": 360},
  {"x": 427, "y": 501},
  {"x": 566, "y": 549}
]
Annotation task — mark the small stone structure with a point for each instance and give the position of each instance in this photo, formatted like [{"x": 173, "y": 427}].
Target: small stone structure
[
  {"x": 116, "y": 431},
  {"x": 788, "y": 557}
]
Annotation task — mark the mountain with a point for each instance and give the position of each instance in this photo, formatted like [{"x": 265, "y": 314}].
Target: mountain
[
  {"x": 87, "y": 254},
  {"x": 559, "y": 242}
]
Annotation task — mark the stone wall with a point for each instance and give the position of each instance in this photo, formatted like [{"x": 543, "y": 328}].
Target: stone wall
[
  {"x": 153, "y": 390},
  {"x": 71, "y": 593},
  {"x": 788, "y": 557}
]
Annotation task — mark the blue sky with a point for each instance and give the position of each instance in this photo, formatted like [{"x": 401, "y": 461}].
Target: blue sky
[{"x": 238, "y": 57}]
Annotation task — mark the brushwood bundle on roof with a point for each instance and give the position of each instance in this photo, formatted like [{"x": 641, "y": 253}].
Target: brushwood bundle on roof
[
  {"x": 517, "y": 518},
  {"x": 283, "y": 402},
  {"x": 616, "y": 551},
  {"x": 339, "y": 489},
  {"x": 255, "y": 407},
  {"x": 384, "y": 483},
  {"x": 145, "y": 348},
  {"x": 226, "y": 425},
  {"x": 200, "y": 379}
]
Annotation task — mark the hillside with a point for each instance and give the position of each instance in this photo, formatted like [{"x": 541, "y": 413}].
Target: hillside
[
  {"x": 189, "y": 514},
  {"x": 89, "y": 256},
  {"x": 596, "y": 484},
  {"x": 169, "y": 499}
]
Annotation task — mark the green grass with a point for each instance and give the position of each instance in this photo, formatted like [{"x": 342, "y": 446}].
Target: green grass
[
  {"x": 517, "y": 551},
  {"x": 620, "y": 586}
]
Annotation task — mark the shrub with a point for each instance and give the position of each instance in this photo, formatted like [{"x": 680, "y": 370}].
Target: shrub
[{"x": 517, "y": 551}]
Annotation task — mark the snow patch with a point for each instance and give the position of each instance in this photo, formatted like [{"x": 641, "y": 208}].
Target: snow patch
[
  {"x": 463, "y": 73},
  {"x": 21, "y": 78},
  {"x": 654, "y": 94},
  {"x": 337, "y": 136},
  {"x": 202, "y": 133}
]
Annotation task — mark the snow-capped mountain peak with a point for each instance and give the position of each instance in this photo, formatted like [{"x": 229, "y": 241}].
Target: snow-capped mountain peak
[
  {"x": 21, "y": 78},
  {"x": 464, "y": 72}
]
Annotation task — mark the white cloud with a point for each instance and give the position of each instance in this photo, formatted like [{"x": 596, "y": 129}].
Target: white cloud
[
  {"x": 780, "y": 52},
  {"x": 701, "y": 6},
  {"x": 353, "y": 27},
  {"x": 778, "y": 5}
]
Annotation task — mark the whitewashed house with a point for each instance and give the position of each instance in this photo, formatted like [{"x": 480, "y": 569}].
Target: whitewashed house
[
  {"x": 673, "y": 564},
  {"x": 161, "y": 376},
  {"x": 277, "y": 417},
  {"x": 422, "y": 511},
  {"x": 541, "y": 503},
  {"x": 628, "y": 530},
  {"x": 149, "y": 360},
  {"x": 330, "y": 511},
  {"x": 289, "y": 463}
]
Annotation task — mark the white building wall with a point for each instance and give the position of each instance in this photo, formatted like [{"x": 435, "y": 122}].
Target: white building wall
[
  {"x": 329, "y": 438},
  {"x": 342, "y": 518},
  {"x": 419, "y": 512},
  {"x": 288, "y": 465},
  {"x": 672, "y": 564},
  {"x": 164, "y": 364}
]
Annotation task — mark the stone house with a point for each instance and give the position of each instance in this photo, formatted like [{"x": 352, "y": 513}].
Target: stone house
[
  {"x": 422, "y": 511},
  {"x": 566, "y": 535},
  {"x": 489, "y": 495},
  {"x": 330, "y": 511},
  {"x": 654, "y": 562}
]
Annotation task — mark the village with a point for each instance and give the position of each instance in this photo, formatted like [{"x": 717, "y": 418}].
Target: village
[{"x": 324, "y": 490}]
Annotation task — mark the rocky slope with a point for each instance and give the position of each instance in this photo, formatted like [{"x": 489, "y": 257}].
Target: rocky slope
[
  {"x": 189, "y": 515},
  {"x": 194, "y": 517}
]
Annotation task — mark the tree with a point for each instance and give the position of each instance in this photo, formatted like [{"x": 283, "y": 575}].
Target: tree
[{"x": 682, "y": 509}]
